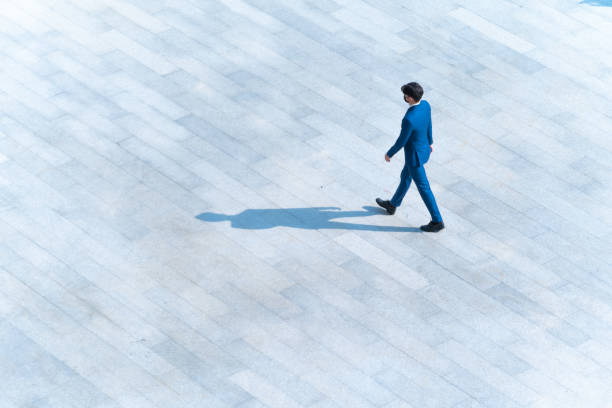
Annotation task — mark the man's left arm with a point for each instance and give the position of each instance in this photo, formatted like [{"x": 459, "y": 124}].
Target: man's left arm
[{"x": 401, "y": 140}]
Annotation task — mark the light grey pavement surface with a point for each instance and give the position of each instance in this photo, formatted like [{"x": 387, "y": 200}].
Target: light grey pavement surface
[{"x": 187, "y": 192}]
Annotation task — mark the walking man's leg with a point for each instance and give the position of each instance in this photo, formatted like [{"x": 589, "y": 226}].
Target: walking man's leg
[
  {"x": 420, "y": 179},
  {"x": 396, "y": 200},
  {"x": 402, "y": 188}
]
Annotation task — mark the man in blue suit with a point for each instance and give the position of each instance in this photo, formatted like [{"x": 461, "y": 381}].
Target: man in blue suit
[{"x": 416, "y": 139}]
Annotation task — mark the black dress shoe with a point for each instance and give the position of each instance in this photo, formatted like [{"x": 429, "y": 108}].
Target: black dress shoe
[
  {"x": 433, "y": 226},
  {"x": 386, "y": 204}
]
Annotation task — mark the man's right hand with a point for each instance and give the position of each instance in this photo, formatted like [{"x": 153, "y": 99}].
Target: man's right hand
[{"x": 387, "y": 158}]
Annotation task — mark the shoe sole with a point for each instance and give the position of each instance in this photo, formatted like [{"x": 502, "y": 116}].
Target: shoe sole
[{"x": 436, "y": 230}]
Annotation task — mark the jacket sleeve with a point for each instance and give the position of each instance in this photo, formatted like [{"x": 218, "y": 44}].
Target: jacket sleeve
[
  {"x": 429, "y": 134},
  {"x": 402, "y": 139}
]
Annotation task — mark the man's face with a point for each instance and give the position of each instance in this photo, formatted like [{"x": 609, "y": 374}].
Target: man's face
[{"x": 408, "y": 100}]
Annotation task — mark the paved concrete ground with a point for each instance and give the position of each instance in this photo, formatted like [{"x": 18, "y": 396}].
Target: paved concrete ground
[{"x": 186, "y": 192}]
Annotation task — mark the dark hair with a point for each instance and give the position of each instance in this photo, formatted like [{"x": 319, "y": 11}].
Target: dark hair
[{"x": 413, "y": 90}]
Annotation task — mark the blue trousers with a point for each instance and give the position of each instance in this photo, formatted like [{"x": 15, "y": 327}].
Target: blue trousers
[{"x": 417, "y": 174}]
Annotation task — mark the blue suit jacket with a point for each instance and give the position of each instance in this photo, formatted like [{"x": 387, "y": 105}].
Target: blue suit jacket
[{"x": 415, "y": 136}]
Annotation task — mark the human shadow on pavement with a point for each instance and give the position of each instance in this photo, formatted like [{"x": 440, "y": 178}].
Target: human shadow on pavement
[
  {"x": 315, "y": 218},
  {"x": 599, "y": 3}
]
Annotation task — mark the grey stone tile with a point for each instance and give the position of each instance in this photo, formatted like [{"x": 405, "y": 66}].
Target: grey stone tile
[
  {"x": 282, "y": 377},
  {"x": 516, "y": 301},
  {"x": 568, "y": 334},
  {"x": 201, "y": 372},
  {"x": 493, "y": 353},
  {"x": 430, "y": 395}
]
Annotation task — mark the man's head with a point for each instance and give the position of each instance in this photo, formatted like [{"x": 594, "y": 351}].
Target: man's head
[{"x": 413, "y": 92}]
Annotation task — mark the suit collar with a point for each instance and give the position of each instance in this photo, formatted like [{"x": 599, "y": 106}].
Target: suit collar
[{"x": 415, "y": 105}]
